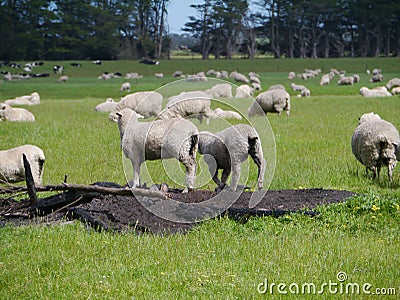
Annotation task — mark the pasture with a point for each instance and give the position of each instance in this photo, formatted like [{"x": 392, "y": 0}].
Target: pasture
[{"x": 219, "y": 258}]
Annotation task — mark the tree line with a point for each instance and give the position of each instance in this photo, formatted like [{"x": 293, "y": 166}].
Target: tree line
[{"x": 130, "y": 29}]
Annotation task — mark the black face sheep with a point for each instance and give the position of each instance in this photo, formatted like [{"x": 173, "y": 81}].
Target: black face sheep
[
  {"x": 375, "y": 143},
  {"x": 12, "y": 166},
  {"x": 227, "y": 149},
  {"x": 274, "y": 101},
  {"x": 160, "y": 139}
]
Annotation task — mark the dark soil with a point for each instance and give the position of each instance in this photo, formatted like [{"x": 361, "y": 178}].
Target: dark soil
[{"x": 125, "y": 213}]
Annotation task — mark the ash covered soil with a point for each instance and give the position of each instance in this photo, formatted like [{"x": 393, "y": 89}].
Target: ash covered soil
[{"x": 121, "y": 213}]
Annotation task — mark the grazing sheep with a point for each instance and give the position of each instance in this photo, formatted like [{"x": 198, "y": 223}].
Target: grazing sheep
[
  {"x": 396, "y": 91},
  {"x": 63, "y": 78},
  {"x": 227, "y": 149},
  {"x": 394, "y": 82},
  {"x": 8, "y": 113},
  {"x": 238, "y": 77},
  {"x": 375, "y": 143},
  {"x": 177, "y": 74},
  {"x": 252, "y": 74},
  {"x": 356, "y": 78},
  {"x": 297, "y": 87},
  {"x": 277, "y": 87},
  {"x": 159, "y": 75},
  {"x": 220, "y": 90},
  {"x": 292, "y": 75},
  {"x": 32, "y": 99},
  {"x": 12, "y": 165},
  {"x": 255, "y": 79},
  {"x": 376, "y": 78},
  {"x": 325, "y": 79},
  {"x": 376, "y": 92},
  {"x": 133, "y": 75},
  {"x": 256, "y": 86},
  {"x": 186, "y": 104},
  {"x": 244, "y": 91},
  {"x": 160, "y": 139},
  {"x": 226, "y": 114},
  {"x": 305, "y": 93},
  {"x": 107, "y": 106},
  {"x": 346, "y": 80},
  {"x": 274, "y": 101},
  {"x": 126, "y": 86},
  {"x": 145, "y": 103}
]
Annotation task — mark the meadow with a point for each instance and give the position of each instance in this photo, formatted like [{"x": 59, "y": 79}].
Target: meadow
[{"x": 220, "y": 258}]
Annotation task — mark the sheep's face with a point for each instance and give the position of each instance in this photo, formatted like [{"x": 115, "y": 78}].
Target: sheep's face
[
  {"x": 368, "y": 117},
  {"x": 3, "y": 109}
]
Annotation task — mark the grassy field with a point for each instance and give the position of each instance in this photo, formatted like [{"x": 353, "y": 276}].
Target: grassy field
[{"x": 220, "y": 258}]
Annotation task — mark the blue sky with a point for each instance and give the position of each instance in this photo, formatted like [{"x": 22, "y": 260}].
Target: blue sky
[{"x": 179, "y": 12}]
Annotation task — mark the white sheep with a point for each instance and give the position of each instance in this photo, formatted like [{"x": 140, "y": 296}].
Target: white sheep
[
  {"x": 277, "y": 87},
  {"x": 220, "y": 90},
  {"x": 159, "y": 75},
  {"x": 325, "y": 79},
  {"x": 63, "y": 78},
  {"x": 244, "y": 91},
  {"x": 255, "y": 79},
  {"x": 145, "y": 103},
  {"x": 376, "y": 92},
  {"x": 12, "y": 114},
  {"x": 107, "y": 106},
  {"x": 227, "y": 149},
  {"x": 356, "y": 78},
  {"x": 32, "y": 99},
  {"x": 226, "y": 114},
  {"x": 346, "y": 80},
  {"x": 375, "y": 143},
  {"x": 297, "y": 87},
  {"x": 126, "y": 86},
  {"x": 305, "y": 93},
  {"x": 12, "y": 166},
  {"x": 256, "y": 86},
  {"x": 394, "y": 82},
  {"x": 292, "y": 75},
  {"x": 274, "y": 101},
  {"x": 197, "y": 103},
  {"x": 238, "y": 77},
  {"x": 396, "y": 91},
  {"x": 177, "y": 74},
  {"x": 133, "y": 75},
  {"x": 376, "y": 78},
  {"x": 160, "y": 139}
]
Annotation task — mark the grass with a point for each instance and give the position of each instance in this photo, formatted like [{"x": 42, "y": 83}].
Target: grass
[{"x": 220, "y": 258}]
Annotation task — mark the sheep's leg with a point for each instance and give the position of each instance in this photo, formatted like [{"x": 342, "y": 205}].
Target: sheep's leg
[
  {"x": 390, "y": 170},
  {"x": 235, "y": 176},
  {"x": 260, "y": 162},
  {"x": 190, "y": 176},
  {"x": 136, "y": 174},
  {"x": 225, "y": 174}
]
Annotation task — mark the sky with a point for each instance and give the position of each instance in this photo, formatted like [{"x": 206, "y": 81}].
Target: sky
[{"x": 179, "y": 12}]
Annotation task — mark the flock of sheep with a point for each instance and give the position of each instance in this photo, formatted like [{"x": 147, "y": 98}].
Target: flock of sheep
[{"x": 375, "y": 142}]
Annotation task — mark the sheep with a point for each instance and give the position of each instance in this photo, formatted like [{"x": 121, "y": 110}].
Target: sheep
[
  {"x": 159, "y": 75},
  {"x": 297, "y": 87},
  {"x": 252, "y": 74},
  {"x": 63, "y": 78},
  {"x": 292, "y": 75},
  {"x": 277, "y": 87},
  {"x": 356, "y": 78},
  {"x": 255, "y": 79},
  {"x": 126, "y": 86},
  {"x": 396, "y": 91},
  {"x": 346, "y": 80},
  {"x": 256, "y": 86},
  {"x": 186, "y": 104},
  {"x": 274, "y": 101},
  {"x": 394, "y": 82},
  {"x": 145, "y": 103},
  {"x": 244, "y": 91},
  {"x": 227, "y": 149},
  {"x": 376, "y": 92},
  {"x": 220, "y": 90},
  {"x": 196, "y": 77},
  {"x": 160, "y": 139},
  {"x": 305, "y": 93},
  {"x": 376, "y": 78},
  {"x": 226, "y": 114},
  {"x": 133, "y": 75},
  {"x": 375, "y": 143},
  {"x": 238, "y": 77},
  {"x": 177, "y": 74},
  {"x": 325, "y": 79},
  {"x": 12, "y": 166},
  {"x": 107, "y": 106},
  {"x": 8, "y": 113},
  {"x": 32, "y": 99}
]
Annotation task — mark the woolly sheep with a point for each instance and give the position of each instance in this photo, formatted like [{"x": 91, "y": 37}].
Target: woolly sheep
[
  {"x": 63, "y": 78},
  {"x": 226, "y": 114},
  {"x": 8, "y": 113},
  {"x": 356, "y": 78},
  {"x": 145, "y": 103},
  {"x": 32, "y": 99},
  {"x": 107, "y": 106},
  {"x": 346, "y": 80},
  {"x": 305, "y": 93},
  {"x": 394, "y": 82},
  {"x": 220, "y": 90},
  {"x": 227, "y": 149},
  {"x": 133, "y": 75},
  {"x": 375, "y": 143},
  {"x": 252, "y": 74},
  {"x": 396, "y": 91},
  {"x": 276, "y": 87},
  {"x": 159, "y": 75},
  {"x": 177, "y": 74},
  {"x": 186, "y": 104},
  {"x": 238, "y": 77},
  {"x": 255, "y": 79},
  {"x": 292, "y": 75},
  {"x": 126, "y": 86},
  {"x": 376, "y": 78},
  {"x": 274, "y": 101},
  {"x": 160, "y": 139},
  {"x": 325, "y": 79},
  {"x": 297, "y": 87},
  {"x": 12, "y": 166},
  {"x": 256, "y": 86},
  {"x": 244, "y": 91},
  {"x": 376, "y": 92}
]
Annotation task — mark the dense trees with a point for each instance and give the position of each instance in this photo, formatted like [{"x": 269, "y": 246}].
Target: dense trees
[{"x": 127, "y": 29}]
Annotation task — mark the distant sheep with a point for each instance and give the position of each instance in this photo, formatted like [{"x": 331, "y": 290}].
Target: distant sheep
[
  {"x": 159, "y": 75},
  {"x": 177, "y": 74},
  {"x": 226, "y": 114},
  {"x": 244, "y": 91},
  {"x": 8, "y": 113},
  {"x": 107, "y": 106},
  {"x": 125, "y": 87},
  {"x": 238, "y": 77},
  {"x": 220, "y": 90},
  {"x": 376, "y": 92},
  {"x": 375, "y": 143},
  {"x": 292, "y": 75},
  {"x": 325, "y": 79},
  {"x": 356, "y": 78},
  {"x": 376, "y": 78},
  {"x": 32, "y": 99},
  {"x": 12, "y": 166},
  {"x": 274, "y": 101},
  {"x": 133, "y": 75},
  {"x": 145, "y": 103},
  {"x": 346, "y": 80},
  {"x": 277, "y": 87},
  {"x": 256, "y": 86},
  {"x": 297, "y": 87},
  {"x": 396, "y": 91},
  {"x": 63, "y": 78},
  {"x": 160, "y": 139},
  {"x": 227, "y": 149},
  {"x": 394, "y": 82}
]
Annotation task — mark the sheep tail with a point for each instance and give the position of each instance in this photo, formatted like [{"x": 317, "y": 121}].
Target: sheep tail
[{"x": 194, "y": 140}]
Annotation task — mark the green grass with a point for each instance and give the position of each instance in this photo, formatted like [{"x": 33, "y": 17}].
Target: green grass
[{"x": 220, "y": 258}]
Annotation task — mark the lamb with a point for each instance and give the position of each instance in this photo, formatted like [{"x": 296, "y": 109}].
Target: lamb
[
  {"x": 145, "y": 103},
  {"x": 220, "y": 90},
  {"x": 107, "y": 106},
  {"x": 394, "y": 82},
  {"x": 186, "y": 104},
  {"x": 63, "y": 78},
  {"x": 226, "y": 114},
  {"x": 32, "y": 99},
  {"x": 227, "y": 149},
  {"x": 244, "y": 91},
  {"x": 8, "y": 113},
  {"x": 376, "y": 92},
  {"x": 274, "y": 101},
  {"x": 375, "y": 143},
  {"x": 160, "y": 139},
  {"x": 12, "y": 166},
  {"x": 346, "y": 80},
  {"x": 126, "y": 86}
]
